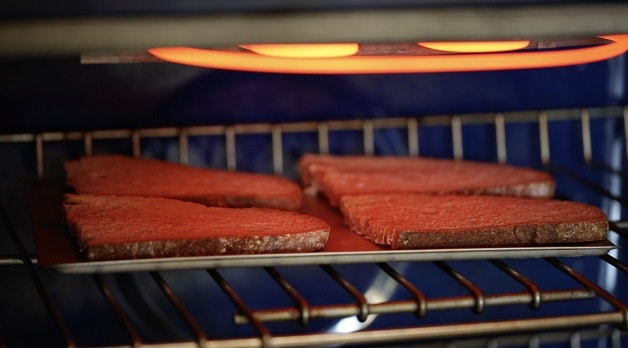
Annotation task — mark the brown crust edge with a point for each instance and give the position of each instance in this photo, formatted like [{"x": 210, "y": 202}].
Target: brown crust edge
[
  {"x": 524, "y": 235},
  {"x": 298, "y": 242}
]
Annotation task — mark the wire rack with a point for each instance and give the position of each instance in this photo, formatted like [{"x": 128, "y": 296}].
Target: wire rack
[{"x": 489, "y": 303}]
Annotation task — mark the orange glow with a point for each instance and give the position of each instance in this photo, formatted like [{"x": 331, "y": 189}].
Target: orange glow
[
  {"x": 304, "y": 50},
  {"x": 476, "y": 46},
  {"x": 374, "y": 64}
]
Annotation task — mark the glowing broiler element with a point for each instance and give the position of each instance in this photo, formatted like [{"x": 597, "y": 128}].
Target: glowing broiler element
[
  {"x": 476, "y": 46},
  {"x": 305, "y": 50},
  {"x": 350, "y": 59}
]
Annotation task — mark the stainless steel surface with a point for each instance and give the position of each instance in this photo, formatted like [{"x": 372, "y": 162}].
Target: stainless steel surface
[
  {"x": 328, "y": 257},
  {"x": 137, "y": 33},
  {"x": 364, "y": 49},
  {"x": 56, "y": 250}
]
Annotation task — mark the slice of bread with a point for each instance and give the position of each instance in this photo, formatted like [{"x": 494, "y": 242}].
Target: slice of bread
[
  {"x": 338, "y": 176},
  {"x": 125, "y": 227},
  {"x": 407, "y": 221},
  {"x": 126, "y": 176}
]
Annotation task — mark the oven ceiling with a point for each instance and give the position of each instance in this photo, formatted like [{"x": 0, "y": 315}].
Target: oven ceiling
[{"x": 79, "y": 26}]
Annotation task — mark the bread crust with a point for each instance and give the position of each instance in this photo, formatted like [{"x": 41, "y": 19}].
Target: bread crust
[
  {"x": 121, "y": 175},
  {"x": 407, "y": 221},
  {"x": 124, "y": 227},
  {"x": 290, "y": 243},
  {"x": 525, "y": 235}
]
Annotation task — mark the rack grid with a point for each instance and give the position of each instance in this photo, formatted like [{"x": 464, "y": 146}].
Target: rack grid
[{"x": 530, "y": 326}]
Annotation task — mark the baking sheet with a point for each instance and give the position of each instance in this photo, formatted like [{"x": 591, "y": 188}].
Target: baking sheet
[{"x": 56, "y": 249}]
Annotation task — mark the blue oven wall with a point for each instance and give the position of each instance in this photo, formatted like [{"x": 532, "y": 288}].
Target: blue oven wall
[{"x": 60, "y": 94}]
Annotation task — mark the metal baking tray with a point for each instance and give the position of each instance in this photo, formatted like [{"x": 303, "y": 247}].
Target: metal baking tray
[{"x": 56, "y": 249}]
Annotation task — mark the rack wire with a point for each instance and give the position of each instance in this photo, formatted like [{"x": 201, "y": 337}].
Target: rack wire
[{"x": 530, "y": 326}]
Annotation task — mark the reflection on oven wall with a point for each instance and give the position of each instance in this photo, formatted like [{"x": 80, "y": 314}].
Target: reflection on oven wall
[{"x": 131, "y": 96}]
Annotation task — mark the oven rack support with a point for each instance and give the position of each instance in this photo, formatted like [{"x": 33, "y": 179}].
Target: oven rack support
[
  {"x": 324, "y": 130},
  {"x": 475, "y": 301},
  {"x": 611, "y": 324}
]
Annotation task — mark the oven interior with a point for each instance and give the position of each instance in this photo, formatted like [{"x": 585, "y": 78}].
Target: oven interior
[{"x": 571, "y": 121}]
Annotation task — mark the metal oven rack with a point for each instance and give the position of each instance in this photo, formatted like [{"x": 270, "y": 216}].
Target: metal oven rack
[{"x": 491, "y": 303}]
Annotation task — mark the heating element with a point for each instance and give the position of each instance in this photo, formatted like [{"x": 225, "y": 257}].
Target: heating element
[{"x": 528, "y": 300}]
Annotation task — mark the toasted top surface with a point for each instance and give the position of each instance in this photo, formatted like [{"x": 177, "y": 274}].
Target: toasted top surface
[
  {"x": 415, "y": 167},
  {"x": 344, "y": 175},
  {"x": 102, "y": 220},
  {"x": 121, "y": 175},
  {"x": 417, "y": 212}
]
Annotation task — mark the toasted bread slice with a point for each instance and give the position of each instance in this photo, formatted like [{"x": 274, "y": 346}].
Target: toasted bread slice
[
  {"x": 406, "y": 221},
  {"x": 126, "y": 227},
  {"x": 338, "y": 176},
  {"x": 126, "y": 176}
]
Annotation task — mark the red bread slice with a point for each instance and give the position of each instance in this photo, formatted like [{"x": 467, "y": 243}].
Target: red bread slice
[
  {"x": 126, "y": 176},
  {"x": 338, "y": 176},
  {"x": 406, "y": 221},
  {"x": 125, "y": 227}
]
